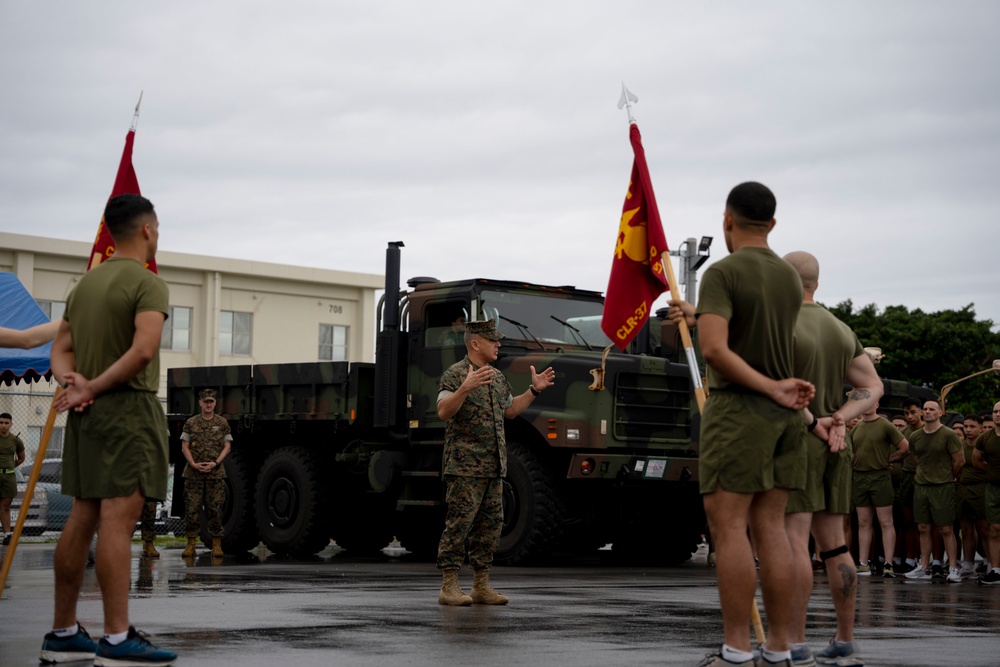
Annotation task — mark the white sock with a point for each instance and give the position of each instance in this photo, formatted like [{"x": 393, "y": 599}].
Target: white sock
[
  {"x": 896, "y": 560},
  {"x": 116, "y": 638},
  {"x": 911, "y": 561},
  {"x": 996, "y": 569},
  {"x": 935, "y": 562},
  {"x": 67, "y": 632},
  {"x": 775, "y": 656},
  {"x": 732, "y": 655}
]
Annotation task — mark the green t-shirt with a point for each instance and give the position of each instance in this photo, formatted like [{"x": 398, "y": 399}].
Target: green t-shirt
[
  {"x": 970, "y": 473},
  {"x": 9, "y": 448},
  {"x": 824, "y": 349},
  {"x": 988, "y": 444},
  {"x": 101, "y": 312},
  {"x": 910, "y": 463},
  {"x": 760, "y": 295},
  {"x": 934, "y": 452},
  {"x": 874, "y": 441}
]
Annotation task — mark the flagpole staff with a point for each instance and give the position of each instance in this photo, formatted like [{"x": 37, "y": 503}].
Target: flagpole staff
[
  {"x": 699, "y": 391},
  {"x": 29, "y": 491},
  {"x": 135, "y": 117}
]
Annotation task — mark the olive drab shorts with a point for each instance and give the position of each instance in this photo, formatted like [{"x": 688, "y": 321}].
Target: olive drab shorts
[
  {"x": 210, "y": 493},
  {"x": 474, "y": 518}
]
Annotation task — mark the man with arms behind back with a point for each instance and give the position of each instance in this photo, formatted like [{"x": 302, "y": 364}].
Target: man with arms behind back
[
  {"x": 752, "y": 450},
  {"x": 106, "y": 356}
]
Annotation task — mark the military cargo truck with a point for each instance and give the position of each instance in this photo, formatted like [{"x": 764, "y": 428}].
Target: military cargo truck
[{"x": 352, "y": 451}]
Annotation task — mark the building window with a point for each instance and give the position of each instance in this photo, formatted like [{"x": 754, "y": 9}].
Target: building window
[
  {"x": 176, "y": 334},
  {"x": 234, "y": 333},
  {"x": 332, "y": 342},
  {"x": 33, "y": 438},
  {"x": 54, "y": 310}
]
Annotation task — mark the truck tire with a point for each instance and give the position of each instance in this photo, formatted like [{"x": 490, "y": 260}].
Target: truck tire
[
  {"x": 420, "y": 533},
  {"x": 534, "y": 513},
  {"x": 290, "y": 503},
  {"x": 364, "y": 531},
  {"x": 239, "y": 524}
]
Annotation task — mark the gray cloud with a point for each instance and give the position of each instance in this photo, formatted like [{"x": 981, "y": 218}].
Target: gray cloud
[{"x": 487, "y": 138}]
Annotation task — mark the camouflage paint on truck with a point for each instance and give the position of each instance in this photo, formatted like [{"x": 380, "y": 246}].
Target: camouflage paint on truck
[{"x": 353, "y": 451}]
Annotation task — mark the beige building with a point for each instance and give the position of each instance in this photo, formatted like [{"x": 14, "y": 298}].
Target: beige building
[{"x": 223, "y": 311}]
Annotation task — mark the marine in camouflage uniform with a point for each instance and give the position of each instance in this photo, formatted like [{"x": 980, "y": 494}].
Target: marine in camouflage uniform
[
  {"x": 474, "y": 399},
  {"x": 205, "y": 442},
  {"x": 147, "y": 529}
]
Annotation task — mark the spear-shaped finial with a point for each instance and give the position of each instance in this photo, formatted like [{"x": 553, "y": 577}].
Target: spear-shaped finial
[
  {"x": 135, "y": 118},
  {"x": 625, "y": 100}
]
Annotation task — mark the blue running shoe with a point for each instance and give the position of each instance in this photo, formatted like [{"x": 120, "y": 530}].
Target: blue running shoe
[
  {"x": 841, "y": 654},
  {"x": 135, "y": 651},
  {"x": 68, "y": 649}
]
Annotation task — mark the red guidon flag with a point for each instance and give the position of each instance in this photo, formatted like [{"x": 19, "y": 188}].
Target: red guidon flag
[
  {"x": 637, "y": 276},
  {"x": 125, "y": 184}
]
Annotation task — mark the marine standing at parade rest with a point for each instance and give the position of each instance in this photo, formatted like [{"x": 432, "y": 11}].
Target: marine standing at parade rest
[
  {"x": 474, "y": 399},
  {"x": 829, "y": 354},
  {"x": 988, "y": 452},
  {"x": 11, "y": 456},
  {"x": 752, "y": 429},
  {"x": 940, "y": 458},
  {"x": 107, "y": 358},
  {"x": 205, "y": 443}
]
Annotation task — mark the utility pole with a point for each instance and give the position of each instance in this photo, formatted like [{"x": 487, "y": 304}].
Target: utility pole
[{"x": 693, "y": 254}]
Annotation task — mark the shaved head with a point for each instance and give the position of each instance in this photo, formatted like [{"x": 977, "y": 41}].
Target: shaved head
[{"x": 807, "y": 267}]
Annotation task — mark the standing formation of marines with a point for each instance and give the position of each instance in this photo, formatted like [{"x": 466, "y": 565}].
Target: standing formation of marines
[{"x": 774, "y": 461}]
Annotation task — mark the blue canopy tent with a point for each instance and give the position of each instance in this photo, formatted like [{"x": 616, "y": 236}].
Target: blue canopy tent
[{"x": 18, "y": 310}]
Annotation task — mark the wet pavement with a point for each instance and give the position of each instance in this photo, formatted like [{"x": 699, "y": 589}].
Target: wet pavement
[{"x": 338, "y": 610}]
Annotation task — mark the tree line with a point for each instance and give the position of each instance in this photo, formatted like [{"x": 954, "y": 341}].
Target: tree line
[{"x": 931, "y": 349}]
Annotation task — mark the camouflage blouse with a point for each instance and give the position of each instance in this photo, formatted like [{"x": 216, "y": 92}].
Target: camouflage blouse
[
  {"x": 474, "y": 443},
  {"x": 206, "y": 438}
]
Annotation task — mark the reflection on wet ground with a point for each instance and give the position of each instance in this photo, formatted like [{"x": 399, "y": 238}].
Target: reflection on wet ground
[{"x": 333, "y": 609}]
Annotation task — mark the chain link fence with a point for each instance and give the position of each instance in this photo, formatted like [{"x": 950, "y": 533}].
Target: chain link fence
[{"x": 48, "y": 509}]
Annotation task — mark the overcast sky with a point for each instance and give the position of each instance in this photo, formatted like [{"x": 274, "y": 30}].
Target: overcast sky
[{"x": 487, "y": 137}]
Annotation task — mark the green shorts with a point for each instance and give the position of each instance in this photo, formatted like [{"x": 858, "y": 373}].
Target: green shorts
[
  {"x": 8, "y": 485},
  {"x": 904, "y": 495},
  {"x": 117, "y": 444},
  {"x": 970, "y": 501},
  {"x": 872, "y": 488},
  {"x": 992, "y": 502},
  {"x": 750, "y": 444},
  {"x": 828, "y": 481},
  {"x": 934, "y": 504}
]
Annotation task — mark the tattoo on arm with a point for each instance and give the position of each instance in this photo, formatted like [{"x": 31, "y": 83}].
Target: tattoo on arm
[{"x": 859, "y": 395}]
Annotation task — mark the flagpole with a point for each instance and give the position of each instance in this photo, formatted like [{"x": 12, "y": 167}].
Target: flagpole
[
  {"x": 668, "y": 268},
  {"x": 699, "y": 391},
  {"x": 135, "y": 117}
]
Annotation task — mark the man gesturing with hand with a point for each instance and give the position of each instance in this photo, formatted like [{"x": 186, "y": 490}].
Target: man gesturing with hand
[{"x": 474, "y": 400}]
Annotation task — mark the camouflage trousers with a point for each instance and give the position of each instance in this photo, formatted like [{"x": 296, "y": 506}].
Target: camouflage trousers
[
  {"x": 149, "y": 521},
  {"x": 210, "y": 493},
  {"x": 474, "y": 518}
]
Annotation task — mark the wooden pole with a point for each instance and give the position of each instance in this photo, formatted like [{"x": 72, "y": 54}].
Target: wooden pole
[{"x": 29, "y": 491}]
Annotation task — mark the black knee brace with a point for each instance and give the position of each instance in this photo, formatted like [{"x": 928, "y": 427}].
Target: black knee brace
[{"x": 827, "y": 555}]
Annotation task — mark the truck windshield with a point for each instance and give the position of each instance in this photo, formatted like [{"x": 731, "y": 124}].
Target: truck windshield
[{"x": 551, "y": 320}]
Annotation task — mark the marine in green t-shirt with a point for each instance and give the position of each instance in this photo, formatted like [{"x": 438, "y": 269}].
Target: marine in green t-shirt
[
  {"x": 752, "y": 428},
  {"x": 938, "y": 453},
  {"x": 11, "y": 456},
  {"x": 106, "y": 357}
]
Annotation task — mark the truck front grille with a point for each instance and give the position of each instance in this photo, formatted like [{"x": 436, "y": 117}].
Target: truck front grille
[{"x": 652, "y": 409}]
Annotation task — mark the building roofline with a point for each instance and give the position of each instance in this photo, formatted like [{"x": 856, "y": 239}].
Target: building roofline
[{"x": 177, "y": 260}]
